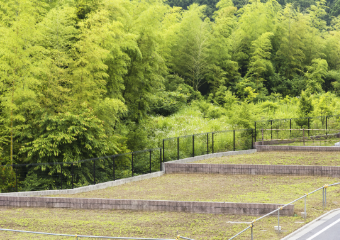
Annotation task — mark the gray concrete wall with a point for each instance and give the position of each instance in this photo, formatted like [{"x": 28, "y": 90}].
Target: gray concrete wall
[
  {"x": 272, "y": 142},
  {"x": 297, "y": 148},
  {"x": 250, "y": 169},
  {"x": 146, "y": 205}
]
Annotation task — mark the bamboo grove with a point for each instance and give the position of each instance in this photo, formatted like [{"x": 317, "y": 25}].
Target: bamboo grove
[{"x": 80, "y": 78}]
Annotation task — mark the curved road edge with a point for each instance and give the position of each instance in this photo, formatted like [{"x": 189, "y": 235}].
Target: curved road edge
[{"x": 306, "y": 230}]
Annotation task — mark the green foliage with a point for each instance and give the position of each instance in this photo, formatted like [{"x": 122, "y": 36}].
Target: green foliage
[
  {"x": 335, "y": 76},
  {"x": 7, "y": 179},
  {"x": 260, "y": 63},
  {"x": 269, "y": 106},
  {"x": 190, "y": 57},
  {"x": 223, "y": 97},
  {"x": 325, "y": 105},
  {"x": 315, "y": 75},
  {"x": 291, "y": 54},
  {"x": 306, "y": 108},
  {"x": 86, "y": 78},
  {"x": 242, "y": 117},
  {"x": 67, "y": 137}
]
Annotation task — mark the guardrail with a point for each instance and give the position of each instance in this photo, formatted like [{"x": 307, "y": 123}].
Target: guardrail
[
  {"x": 76, "y": 236},
  {"x": 324, "y": 203}
]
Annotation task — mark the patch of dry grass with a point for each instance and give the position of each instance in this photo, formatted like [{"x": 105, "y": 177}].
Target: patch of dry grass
[{"x": 280, "y": 158}]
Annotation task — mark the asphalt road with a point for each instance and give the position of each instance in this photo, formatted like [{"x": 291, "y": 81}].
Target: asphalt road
[
  {"x": 327, "y": 227},
  {"x": 329, "y": 230}
]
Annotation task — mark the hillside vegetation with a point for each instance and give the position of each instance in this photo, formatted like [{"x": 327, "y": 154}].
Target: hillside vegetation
[{"x": 82, "y": 79}]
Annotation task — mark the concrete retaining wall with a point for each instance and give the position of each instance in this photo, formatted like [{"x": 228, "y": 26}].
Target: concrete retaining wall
[
  {"x": 146, "y": 205},
  {"x": 250, "y": 169},
  {"x": 264, "y": 148},
  {"x": 272, "y": 142}
]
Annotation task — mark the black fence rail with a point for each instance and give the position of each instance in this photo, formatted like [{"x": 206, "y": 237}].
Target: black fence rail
[
  {"x": 205, "y": 143},
  {"x": 301, "y": 137},
  {"x": 68, "y": 175},
  {"x": 326, "y": 123}
]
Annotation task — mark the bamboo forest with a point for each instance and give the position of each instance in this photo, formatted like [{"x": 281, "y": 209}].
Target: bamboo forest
[{"x": 81, "y": 79}]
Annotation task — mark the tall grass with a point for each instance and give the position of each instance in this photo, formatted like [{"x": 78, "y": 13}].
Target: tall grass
[{"x": 190, "y": 120}]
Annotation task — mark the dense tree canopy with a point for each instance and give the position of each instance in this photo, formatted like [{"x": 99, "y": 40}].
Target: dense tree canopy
[{"x": 80, "y": 78}]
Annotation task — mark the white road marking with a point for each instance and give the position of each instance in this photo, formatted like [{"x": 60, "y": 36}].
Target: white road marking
[{"x": 318, "y": 233}]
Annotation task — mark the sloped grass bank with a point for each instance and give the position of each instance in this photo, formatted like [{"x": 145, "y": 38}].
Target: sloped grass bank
[
  {"x": 217, "y": 188},
  {"x": 280, "y": 158},
  {"x": 119, "y": 223}
]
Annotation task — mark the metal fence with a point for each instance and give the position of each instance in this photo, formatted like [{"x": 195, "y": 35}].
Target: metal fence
[
  {"x": 300, "y": 137},
  {"x": 60, "y": 175},
  {"x": 304, "y": 197},
  {"x": 205, "y": 143},
  {"x": 76, "y": 236},
  {"x": 68, "y": 175},
  {"x": 326, "y": 123}
]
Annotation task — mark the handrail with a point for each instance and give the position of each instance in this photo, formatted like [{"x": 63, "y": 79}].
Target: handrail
[
  {"x": 88, "y": 236},
  {"x": 280, "y": 208}
]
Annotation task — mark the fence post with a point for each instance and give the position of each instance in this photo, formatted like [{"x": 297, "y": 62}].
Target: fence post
[
  {"x": 61, "y": 176},
  {"x": 160, "y": 159},
  {"x": 303, "y": 136},
  {"x": 94, "y": 171},
  {"x": 262, "y": 138},
  {"x": 178, "y": 148},
  {"x": 212, "y": 142},
  {"x": 150, "y": 161},
  {"x": 278, "y": 220},
  {"x": 207, "y": 143},
  {"x": 323, "y": 197},
  {"x": 326, "y": 125},
  {"x": 271, "y": 130},
  {"x": 308, "y": 126},
  {"x": 163, "y": 152},
  {"x": 16, "y": 178},
  {"x": 290, "y": 127},
  {"x": 132, "y": 164},
  {"x": 193, "y": 145},
  {"x": 72, "y": 173},
  {"x": 305, "y": 213},
  {"x": 252, "y": 138},
  {"x": 234, "y": 138},
  {"x": 114, "y": 168},
  {"x": 255, "y": 131}
]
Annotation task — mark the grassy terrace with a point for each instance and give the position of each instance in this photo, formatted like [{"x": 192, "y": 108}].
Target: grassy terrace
[
  {"x": 142, "y": 224},
  {"x": 191, "y": 187},
  {"x": 280, "y": 158},
  {"x": 215, "y": 187}
]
